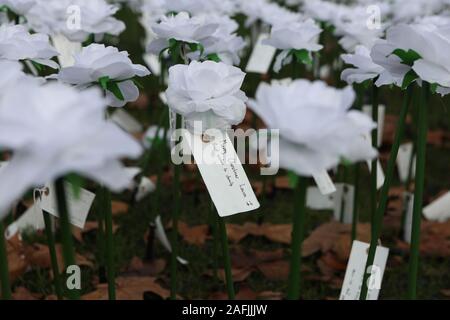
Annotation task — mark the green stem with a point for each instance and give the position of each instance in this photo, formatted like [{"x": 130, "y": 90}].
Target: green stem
[
  {"x": 66, "y": 231},
  {"x": 297, "y": 239},
  {"x": 226, "y": 258},
  {"x": 356, "y": 168},
  {"x": 215, "y": 232},
  {"x": 174, "y": 234},
  {"x": 376, "y": 228},
  {"x": 4, "y": 273},
  {"x": 418, "y": 192},
  {"x": 53, "y": 257},
  {"x": 105, "y": 198},
  {"x": 373, "y": 172}
]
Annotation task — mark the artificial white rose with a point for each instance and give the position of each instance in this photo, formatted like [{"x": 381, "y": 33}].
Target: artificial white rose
[
  {"x": 317, "y": 129},
  {"x": 267, "y": 12},
  {"x": 209, "y": 92},
  {"x": 434, "y": 64},
  {"x": 13, "y": 76},
  {"x": 54, "y": 130},
  {"x": 16, "y": 43},
  {"x": 75, "y": 19},
  {"x": 365, "y": 68},
  {"x": 298, "y": 36},
  {"x": 96, "y": 62},
  {"x": 323, "y": 11},
  {"x": 224, "y": 42},
  {"x": 354, "y": 28},
  {"x": 19, "y": 7},
  {"x": 419, "y": 42},
  {"x": 181, "y": 27},
  {"x": 201, "y": 6},
  {"x": 406, "y": 11}
]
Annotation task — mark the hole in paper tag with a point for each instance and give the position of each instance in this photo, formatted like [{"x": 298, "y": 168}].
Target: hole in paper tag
[{"x": 78, "y": 207}]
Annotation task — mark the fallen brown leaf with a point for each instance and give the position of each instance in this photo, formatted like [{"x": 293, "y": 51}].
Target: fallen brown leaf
[{"x": 129, "y": 288}]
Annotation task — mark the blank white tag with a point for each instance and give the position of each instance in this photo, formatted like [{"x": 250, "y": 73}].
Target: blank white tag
[
  {"x": 223, "y": 174},
  {"x": 162, "y": 96},
  {"x": 408, "y": 200},
  {"x": 145, "y": 187},
  {"x": 261, "y": 57},
  {"x": 381, "y": 112},
  {"x": 380, "y": 172},
  {"x": 30, "y": 219},
  {"x": 439, "y": 209},
  {"x": 78, "y": 207},
  {"x": 351, "y": 288},
  {"x": 160, "y": 234},
  {"x": 324, "y": 182},
  {"x": 403, "y": 161},
  {"x": 343, "y": 202},
  {"x": 66, "y": 49},
  {"x": 318, "y": 201},
  {"x": 153, "y": 63},
  {"x": 126, "y": 121}
]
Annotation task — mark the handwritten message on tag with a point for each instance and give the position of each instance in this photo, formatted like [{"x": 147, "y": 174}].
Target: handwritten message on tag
[
  {"x": 78, "y": 206},
  {"x": 223, "y": 174},
  {"x": 351, "y": 288},
  {"x": 261, "y": 57},
  {"x": 438, "y": 210}
]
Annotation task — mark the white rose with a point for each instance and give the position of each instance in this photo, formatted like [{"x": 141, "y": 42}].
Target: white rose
[
  {"x": 97, "y": 61},
  {"x": 365, "y": 68},
  {"x": 208, "y": 92},
  {"x": 317, "y": 129},
  {"x": 94, "y": 17},
  {"x": 54, "y": 130},
  {"x": 16, "y": 43}
]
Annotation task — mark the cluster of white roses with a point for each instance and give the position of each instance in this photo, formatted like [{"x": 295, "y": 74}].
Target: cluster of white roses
[
  {"x": 54, "y": 128},
  {"x": 414, "y": 51}
]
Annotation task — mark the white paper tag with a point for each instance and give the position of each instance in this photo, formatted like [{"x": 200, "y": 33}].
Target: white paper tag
[
  {"x": 343, "y": 202},
  {"x": 66, "y": 49},
  {"x": 162, "y": 96},
  {"x": 404, "y": 160},
  {"x": 381, "y": 114},
  {"x": 145, "y": 187},
  {"x": 380, "y": 172},
  {"x": 261, "y": 57},
  {"x": 126, "y": 121},
  {"x": 78, "y": 207},
  {"x": 160, "y": 234},
  {"x": 408, "y": 205},
  {"x": 439, "y": 209},
  {"x": 223, "y": 174},
  {"x": 351, "y": 288},
  {"x": 318, "y": 201},
  {"x": 153, "y": 63},
  {"x": 30, "y": 219},
  {"x": 324, "y": 182}
]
